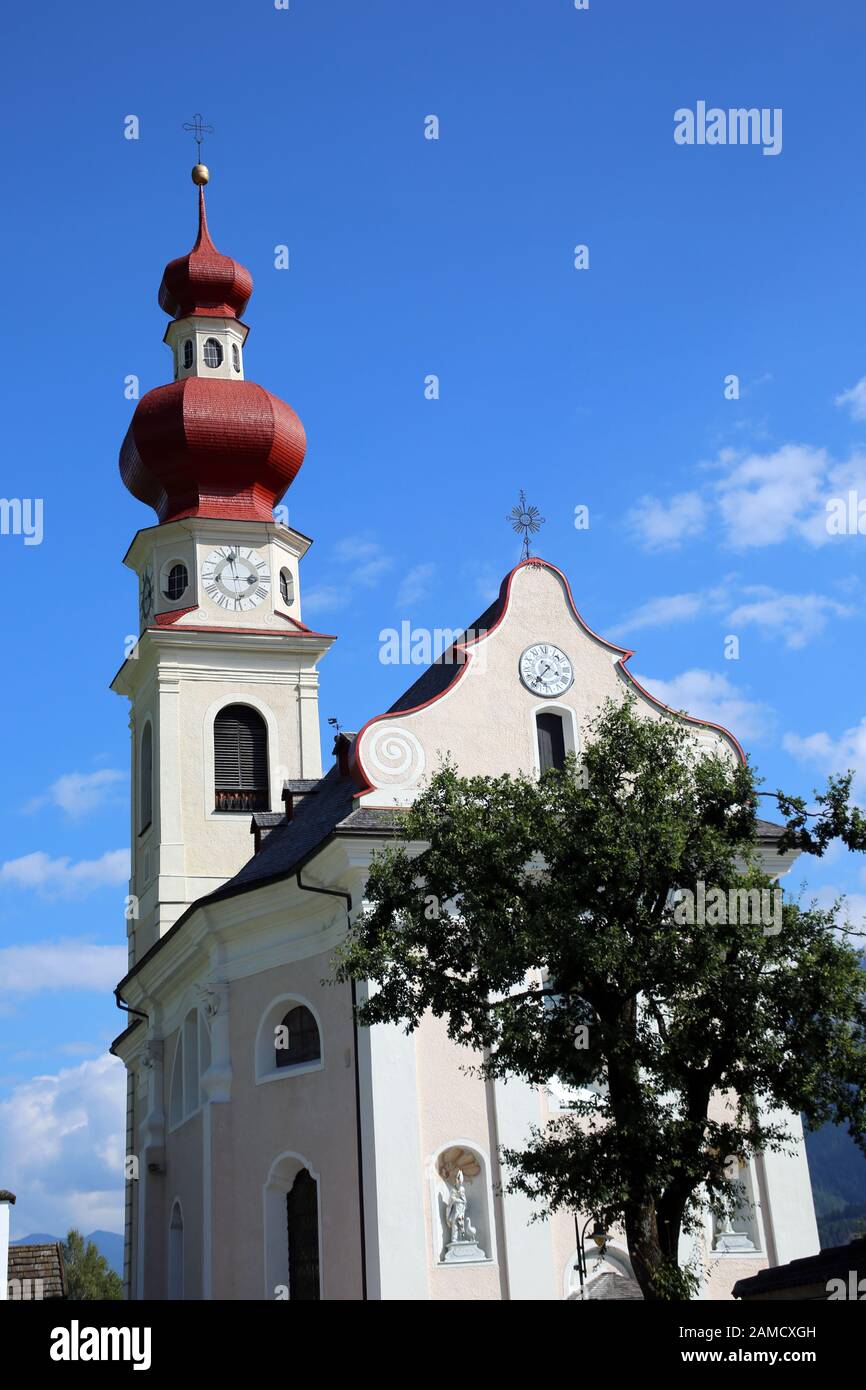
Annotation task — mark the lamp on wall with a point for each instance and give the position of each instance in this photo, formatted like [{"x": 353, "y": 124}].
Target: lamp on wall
[{"x": 599, "y": 1235}]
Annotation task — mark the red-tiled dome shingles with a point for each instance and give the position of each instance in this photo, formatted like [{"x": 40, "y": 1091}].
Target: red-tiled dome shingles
[{"x": 204, "y": 281}]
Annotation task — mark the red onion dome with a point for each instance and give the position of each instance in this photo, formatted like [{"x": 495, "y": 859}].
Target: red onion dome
[
  {"x": 212, "y": 447},
  {"x": 204, "y": 281}
]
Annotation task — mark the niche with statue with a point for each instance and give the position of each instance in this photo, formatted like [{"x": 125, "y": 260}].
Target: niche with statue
[{"x": 461, "y": 1206}]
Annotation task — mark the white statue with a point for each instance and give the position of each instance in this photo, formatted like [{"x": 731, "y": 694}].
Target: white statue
[{"x": 459, "y": 1225}]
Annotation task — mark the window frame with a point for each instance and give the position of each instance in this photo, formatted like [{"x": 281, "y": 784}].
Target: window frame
[{"x": 265, "y": 1067}]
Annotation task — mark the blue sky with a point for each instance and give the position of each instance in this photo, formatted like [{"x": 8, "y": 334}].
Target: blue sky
[{"x": 411, "y": 257}]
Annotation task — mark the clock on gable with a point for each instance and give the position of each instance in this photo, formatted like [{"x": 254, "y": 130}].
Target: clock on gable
[
  {"x": 545, "y": 669},
  {"x": 236, "y": 577}
]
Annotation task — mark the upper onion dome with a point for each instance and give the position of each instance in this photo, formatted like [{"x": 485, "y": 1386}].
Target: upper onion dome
[
  {"x": 204, "y": 281},
  {"x": 210, "y": 443}
]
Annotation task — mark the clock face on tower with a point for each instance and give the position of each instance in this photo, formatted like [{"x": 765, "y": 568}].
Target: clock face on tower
[
  {"x": 145, "y": 600},
  {"x": 236, "y": 577},
  {"x": 545, "y": 670}
]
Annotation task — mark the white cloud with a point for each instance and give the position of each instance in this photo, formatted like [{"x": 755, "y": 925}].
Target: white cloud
[
  {"x": 795, "y": 618},
  {"x": 854, "y": 399},
  {"x": 326, "y": 597},
  {"x": 60, "y": 878},
  {"x": 762, "y": 498},
  {"x": 658, "y": 612},
  {"x": 758, "y": 499},
  {"x": 67, "y": 964},
  {"x": 415, "y": 585},
  {"x": 711, "y": 696},
  {"x": 78, "y": 793},
  {"x": 367, "y": 559},
  {"x": 831, "y": 754},
  {"x": 484, "y": 581},
  {"x": 661, "y": 525},
  {"x": 62, "y": 1145},
  {"x": 851, "y": 913}
]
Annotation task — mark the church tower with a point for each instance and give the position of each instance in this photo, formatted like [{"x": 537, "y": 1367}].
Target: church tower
[{"x": 223, "y": 681}]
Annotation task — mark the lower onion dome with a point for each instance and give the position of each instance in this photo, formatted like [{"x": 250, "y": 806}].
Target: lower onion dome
[{"x": 212, "y": 448}]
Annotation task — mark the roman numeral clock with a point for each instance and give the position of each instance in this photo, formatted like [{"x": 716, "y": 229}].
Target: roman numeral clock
[{"x": 236, "y": 577}]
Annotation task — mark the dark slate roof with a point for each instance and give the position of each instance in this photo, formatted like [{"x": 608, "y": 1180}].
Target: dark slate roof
[
  {"x": 438, "y": 676},
  {"x": 34, "y": 1262},
  {"x": 300, "y": 785},
  {"x": 836, "y": 1262},
  {"x": 292, "y": 841},
  {"x": 769, "y": 830}
]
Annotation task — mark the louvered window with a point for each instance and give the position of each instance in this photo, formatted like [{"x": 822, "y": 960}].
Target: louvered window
[
  {"x": 240, "y": 760},
  {"x": 551, "y": 741}
]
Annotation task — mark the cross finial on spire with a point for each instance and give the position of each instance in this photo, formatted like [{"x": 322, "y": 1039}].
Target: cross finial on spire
[
  {"x": 525, "y": 520},
  {"x": 198, "y": 130}
]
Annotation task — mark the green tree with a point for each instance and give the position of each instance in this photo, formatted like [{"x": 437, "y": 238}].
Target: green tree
[
  {"x": 542, "y": 920},
  {"x": 88, "y": 1274}
]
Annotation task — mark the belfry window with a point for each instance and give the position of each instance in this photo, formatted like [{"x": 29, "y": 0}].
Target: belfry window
[
  {"x": 551, "y": 740},
  {"x": 240, "y": 760},
  {"x": 188, "y": 353},
  {"x": 213, "y": 352},
  {"x": 299, "y": 1037},
  {"x": 287, "y": 588},
  {"x": 236, "y": 357},
  {"x": 145, "y": 779}
]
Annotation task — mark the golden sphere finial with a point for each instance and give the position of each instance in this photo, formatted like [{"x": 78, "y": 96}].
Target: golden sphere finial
[{"x": 200, "y": 174}]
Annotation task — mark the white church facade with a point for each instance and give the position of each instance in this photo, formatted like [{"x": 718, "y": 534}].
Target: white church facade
[{"x": 280, "y": 1150}]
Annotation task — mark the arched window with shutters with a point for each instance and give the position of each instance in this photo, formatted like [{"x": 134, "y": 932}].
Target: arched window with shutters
[
  {"x": 145, "y": 778},
  {"x": 297, "y": 1038},
  {"x": 240, "y": 760},
  {"x": 551, "y": 740},
  {"x": 302, "y": 1222}
]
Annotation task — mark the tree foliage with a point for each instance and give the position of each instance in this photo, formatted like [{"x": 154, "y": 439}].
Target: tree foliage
[
  {"x": 539, "y": 919},
  {"x": 88, "y": 1274}
]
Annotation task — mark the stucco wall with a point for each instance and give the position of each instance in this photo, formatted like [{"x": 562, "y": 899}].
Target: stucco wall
[{"x": 311, "y": 1114}]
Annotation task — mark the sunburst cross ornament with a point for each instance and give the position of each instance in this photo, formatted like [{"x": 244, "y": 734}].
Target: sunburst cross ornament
[{"x": 526, "y": 521}]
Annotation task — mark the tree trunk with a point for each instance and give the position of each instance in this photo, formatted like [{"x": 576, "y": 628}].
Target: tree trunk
[{"x": 644, "y": 1246}]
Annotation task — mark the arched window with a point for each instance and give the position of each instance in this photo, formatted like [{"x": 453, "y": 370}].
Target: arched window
[
  {"x": 302, "y": 1221},
  {"x": 287, "y": 587},
  {"x": 176, "y": 581},
  {"x": 213, "y": 352},
  {"x": 145, "y": 779},
  {"x": 551, "y": 740},
  {"x": 297, "y": 1038},
  {"x": 187, "y": 353},
  {"x": 236, "y": 357},
  {"x": 192, "y": 1056},
  {"x": 175, "y": 1253},
  {"x": 240, "y": 760}
]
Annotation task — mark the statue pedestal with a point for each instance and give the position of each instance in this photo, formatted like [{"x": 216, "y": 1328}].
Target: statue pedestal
[
  {"x": 732, "y": 1242},
  {"x": 463, "y": 1252}
]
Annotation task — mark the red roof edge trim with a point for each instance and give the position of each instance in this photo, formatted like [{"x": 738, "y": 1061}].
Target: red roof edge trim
[{"x": 358, "y": 770}]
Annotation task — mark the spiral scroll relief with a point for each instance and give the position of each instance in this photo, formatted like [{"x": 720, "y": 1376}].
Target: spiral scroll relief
[{"x": 393, "y": 757}]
